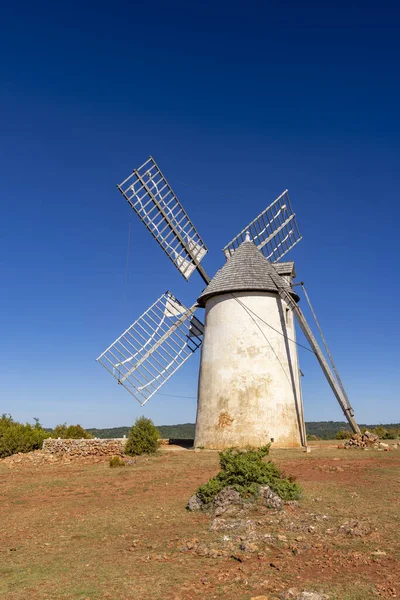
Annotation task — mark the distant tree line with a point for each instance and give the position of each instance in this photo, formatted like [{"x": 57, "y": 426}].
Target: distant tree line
[
  {"x": 322, "y": 430},
  {"x": 330, "y": 430},
  {"x": 185, "y": 431}
]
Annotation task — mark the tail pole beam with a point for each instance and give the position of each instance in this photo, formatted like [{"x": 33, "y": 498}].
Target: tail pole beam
[
  {"x": 325, "y": 343},
  {"x": 335, "y": 386}
]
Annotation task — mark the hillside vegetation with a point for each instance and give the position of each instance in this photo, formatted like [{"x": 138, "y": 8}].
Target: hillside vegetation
[
  {"x": 324, "y": 430},
  {"x": 183, "y": 431}
]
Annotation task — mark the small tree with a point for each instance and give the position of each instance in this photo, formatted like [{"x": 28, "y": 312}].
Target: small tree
[
  {"x": 144, "y": 438},
  {"x": 72, "y": 432}
]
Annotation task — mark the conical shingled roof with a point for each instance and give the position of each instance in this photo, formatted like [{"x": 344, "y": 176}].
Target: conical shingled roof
[{"x": 246, "y": 270}]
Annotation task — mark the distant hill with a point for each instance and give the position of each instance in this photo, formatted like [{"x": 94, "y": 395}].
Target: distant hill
[
  {"x": 325, "y": 430},
  {"x": 184, "y": 431}
]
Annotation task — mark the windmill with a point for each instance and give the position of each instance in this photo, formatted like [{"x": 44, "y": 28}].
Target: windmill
[{"x": 249, "y": 389}]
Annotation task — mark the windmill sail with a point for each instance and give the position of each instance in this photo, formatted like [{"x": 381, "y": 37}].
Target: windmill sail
[
  {"x": 274, "y": 231},
  {"x": 196, "y": 328},
  {"x": 153, "y": 348},
  {"x": 152, "y": 198}
]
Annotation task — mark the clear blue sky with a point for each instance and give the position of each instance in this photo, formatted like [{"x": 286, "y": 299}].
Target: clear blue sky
[{"x": 236, "y": 102}]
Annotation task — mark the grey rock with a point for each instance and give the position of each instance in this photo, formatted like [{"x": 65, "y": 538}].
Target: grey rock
[
  {"x": 270, "y": 498},
  {"x": 194, "y": 503},
  {"x": 378, "y": 553},
  {"x": 294, "y": 594},
  {"x": 222, "y": 524},
  {"x": 356, "y": 528},
  {"x": 293, "y": 503},
  {"x": 202, "y": 550},
  {"x": 248, "y": 546},
  {"x": 311, "y": 596},
  {"x": 219, "y": 524},
  {"x": 226, "y": 498}
]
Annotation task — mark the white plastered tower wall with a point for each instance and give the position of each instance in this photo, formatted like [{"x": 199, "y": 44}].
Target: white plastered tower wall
[
  {"x": 249, "y": 381},
  {"x": 249, "y": 388}
]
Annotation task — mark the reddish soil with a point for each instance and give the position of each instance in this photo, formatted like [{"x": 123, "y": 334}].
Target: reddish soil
[{"x": 83, "y": 530}]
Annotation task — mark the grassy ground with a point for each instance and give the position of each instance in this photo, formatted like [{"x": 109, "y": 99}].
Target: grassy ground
[{"x": 86, "y": 531}]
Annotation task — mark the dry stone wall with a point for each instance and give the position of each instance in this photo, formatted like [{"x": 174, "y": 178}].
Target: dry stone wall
[{"x": 93, "y": 447}]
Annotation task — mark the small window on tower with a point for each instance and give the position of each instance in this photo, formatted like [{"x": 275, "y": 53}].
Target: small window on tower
[{"x": 287, "y": 316}]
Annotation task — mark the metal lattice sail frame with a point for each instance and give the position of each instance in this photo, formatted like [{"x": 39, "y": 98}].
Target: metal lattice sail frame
[
  {"x": 151, "y": 197},
  {"x": 154, "y": 347},
  {"x": 274, "y": 231}
]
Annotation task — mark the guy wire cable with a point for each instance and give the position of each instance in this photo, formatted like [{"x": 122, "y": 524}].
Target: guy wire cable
[
  {"x": 324, "y": 341},
  {"x": 276, "y": 330},
  {"x": 263, "y": 334}
]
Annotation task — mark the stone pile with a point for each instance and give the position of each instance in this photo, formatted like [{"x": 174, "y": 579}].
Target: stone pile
[
  {"x": 363, "y": 440},
  {"x": 84, "y": 448},
  {"x": 37, "y": 458}
]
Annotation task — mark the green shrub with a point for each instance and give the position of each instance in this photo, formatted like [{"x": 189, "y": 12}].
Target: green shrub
[
  {"x": 209, "y": 490},
  {"x": 72, "y": 432},
  {"x": 379, "y": 431},
  {"x": 312, "y": 438},
  {"x": 391, "y": 434},
  {"x": 17, "y": 437},
  {"x": 344, "y": 434},
  {"x": 116, "y": 461},
  {"x": 385, "y": 434},
  {"x": 245, "y": 470},
  {"x": 144, "y": 438}
]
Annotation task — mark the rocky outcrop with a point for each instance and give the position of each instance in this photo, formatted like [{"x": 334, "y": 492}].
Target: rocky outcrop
[
  {"x": 270, "y": 498},
  {"x": 229, "y": 498}
]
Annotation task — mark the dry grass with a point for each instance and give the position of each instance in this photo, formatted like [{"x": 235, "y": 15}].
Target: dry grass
[{"x": 87, "y": 531}]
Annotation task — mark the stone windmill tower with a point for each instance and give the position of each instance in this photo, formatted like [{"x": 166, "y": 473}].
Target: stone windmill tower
[{"x": 249, "y": 382}]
